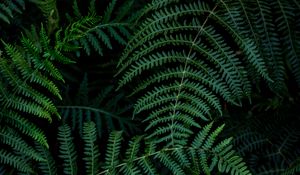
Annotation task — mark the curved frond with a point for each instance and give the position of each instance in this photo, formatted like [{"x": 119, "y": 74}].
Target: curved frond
[{"x": 203, "y": 58}]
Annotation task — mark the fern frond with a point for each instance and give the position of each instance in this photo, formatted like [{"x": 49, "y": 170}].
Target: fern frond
[
  {"x": 122, "y": 12},
  {"x": 284, "y": 24},
  {"x": 103, "y": 29},
  {"x": 22, "y": 88},
  {"x": 113, "y": 150},
  {"x": 202, "y": 57},
  {"x": 67, "y": 150},
  {"x": 270, "y": 44},
  {"x": 90, "y": 148},
  {"x": 154, "y": 5}
]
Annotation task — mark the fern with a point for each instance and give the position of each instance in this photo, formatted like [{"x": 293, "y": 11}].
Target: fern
[
  {"x": 276, "y": 39},
  {"x": 91, "y": 149},
  {"x": 284, "y": 24},
  {"x": 185, "y": 64},
  {"x": 249, "y": 141},
  {"x": 112, "y": 152},
  {"x": 20, "y": 82},
  {"x": 176, "y": 159},
  {"x": 9, "y": 8},
  {"x": 67, "y": 150},
  {"x": 26, "y": 73},
  {"x": 203, "y": 63},
  {"x": 104, "y": 29},
  {"x": 143, "y": 156}
]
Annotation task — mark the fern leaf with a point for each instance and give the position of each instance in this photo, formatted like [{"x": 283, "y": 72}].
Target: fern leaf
[
  {"x": 117, "y": 36},
  {"x": 90, "y": 30},
  {"x": 90, "y": 149},
  {"x": 67, "y": 150},
  {"x": 113, "y": 150},
  {"x": 284, "y": 26},
  {"x": 169, "y": 74}
]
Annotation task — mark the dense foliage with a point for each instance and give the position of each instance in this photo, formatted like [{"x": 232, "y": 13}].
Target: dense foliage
[{"x": 139, "y": 87}]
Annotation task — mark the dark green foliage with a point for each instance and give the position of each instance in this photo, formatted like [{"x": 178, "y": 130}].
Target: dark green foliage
[
  {"x": 203, "y": 147},
  {"x": 203, "y": 67},
  {"x": 142, "y": 156},
  {"x": 67, "y": 150},
  {"x": 272, "y": 25},
  {"x": 26, "y": 74},
  {"x": 105, "y": 28},
  {"x": 91, "y": 151},
  {"x": 181, "y": 66}
]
